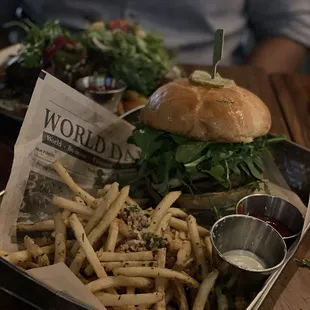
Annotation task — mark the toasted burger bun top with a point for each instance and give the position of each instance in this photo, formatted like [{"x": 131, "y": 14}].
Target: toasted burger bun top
[{"x": 209, "y": 114}]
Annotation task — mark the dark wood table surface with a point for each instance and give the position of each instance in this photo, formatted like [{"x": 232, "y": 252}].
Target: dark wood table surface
[{"x": 287, "y": 97}]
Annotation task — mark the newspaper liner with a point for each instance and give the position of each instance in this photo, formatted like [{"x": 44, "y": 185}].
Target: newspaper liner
[
  {"x": 91, "y": 142},
  {"x": 60, "y": 279}
]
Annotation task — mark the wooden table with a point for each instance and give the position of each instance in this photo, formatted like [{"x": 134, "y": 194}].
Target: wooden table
[
  {"x": 293, "y": 93},
  {"x": 292, "y": 290}
]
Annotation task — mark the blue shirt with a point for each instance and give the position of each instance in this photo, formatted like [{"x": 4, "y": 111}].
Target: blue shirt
[{"x": 188, "y": 25}]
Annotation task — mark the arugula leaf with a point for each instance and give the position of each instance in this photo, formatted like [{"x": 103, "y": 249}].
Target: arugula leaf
[
  {"x": 258, "y": 161},
  {"x": 218, "y": 172},
  {"x": 166, "y": 157},
  {"x": 186, "y": 153},
  {"x": 179, "y": 139},
  {"x": 252, "y": 168},
  {"x": 167, "y": 163},
  {"x": 145, "y": 138}
]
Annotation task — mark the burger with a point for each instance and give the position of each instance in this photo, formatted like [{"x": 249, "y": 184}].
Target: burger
[{"x": 204, "y": 136}]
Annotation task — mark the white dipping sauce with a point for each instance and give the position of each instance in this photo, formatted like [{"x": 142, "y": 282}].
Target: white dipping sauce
[{"x": 245, "y": 259}]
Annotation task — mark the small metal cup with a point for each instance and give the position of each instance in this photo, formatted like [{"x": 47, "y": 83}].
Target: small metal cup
[
  {"x": 242, "y": 232},
  {"x": 275, "y": 208},
  {"x": 110, "y": 98}
]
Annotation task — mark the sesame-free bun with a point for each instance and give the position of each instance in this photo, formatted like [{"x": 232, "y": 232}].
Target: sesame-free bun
[{"x": 205, "y": 113}]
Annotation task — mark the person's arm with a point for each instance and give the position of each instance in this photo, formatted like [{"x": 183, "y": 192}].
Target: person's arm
[
  {"x": 282, "y": 29},
  {"x": 278, "y": 54}
]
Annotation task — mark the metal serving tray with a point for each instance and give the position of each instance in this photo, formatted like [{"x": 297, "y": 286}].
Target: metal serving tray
[{"x": 19, "y": 291}]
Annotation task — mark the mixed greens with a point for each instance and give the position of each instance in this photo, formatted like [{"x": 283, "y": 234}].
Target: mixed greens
[
  {"x": 171, "y": 161},
  {"x": 37, "y": 40},
  {"x": 118, "y": 48},
  {"x": 136, "y": 57}
]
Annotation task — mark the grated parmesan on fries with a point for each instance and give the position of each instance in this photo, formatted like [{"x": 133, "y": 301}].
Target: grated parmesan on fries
[{"x": 128, "y": 257}]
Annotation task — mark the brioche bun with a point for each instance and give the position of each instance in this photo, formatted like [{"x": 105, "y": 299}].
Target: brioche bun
[{"x": 205, "y": 113}]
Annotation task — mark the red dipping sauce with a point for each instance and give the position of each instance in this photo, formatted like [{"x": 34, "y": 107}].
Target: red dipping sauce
[{"x": 281, "y": 228}]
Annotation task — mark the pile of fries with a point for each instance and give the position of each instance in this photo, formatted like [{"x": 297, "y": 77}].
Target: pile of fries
[{"x": 128, "y": 257}]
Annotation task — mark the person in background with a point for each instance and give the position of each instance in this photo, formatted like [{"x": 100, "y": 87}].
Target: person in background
[{"x": 279, "y": 29}]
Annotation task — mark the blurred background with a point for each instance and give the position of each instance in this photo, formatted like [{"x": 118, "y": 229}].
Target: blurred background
[{"x": 248, "y": 24}]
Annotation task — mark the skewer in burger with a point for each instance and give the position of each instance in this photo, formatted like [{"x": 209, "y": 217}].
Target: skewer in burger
[{"x": 205, "y": 137}]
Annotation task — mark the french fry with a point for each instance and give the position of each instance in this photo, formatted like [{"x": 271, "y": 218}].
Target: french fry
[
  {"x": 112, "y": 237},
  {"x": 102, "y": 192},
  {"x": 169, "y": 295},
  {"x": 196, "y": 245},
  {"x": 131, "y": 202},
  {"x": 89, "y": 270},
  {"x": 125, "y": 231},
  {"x": 130, "y": 290},
  {"x": 36, "y": 252},
  {"x": 204, "y": 290},
  {"x": 120, "y": 257},
  {"x": 60, "y": 239},
  {"x": 160, "y": 283},
  {"x": 79, "y": 200},
  {"x": 44, "y": 241},
  {"x": 98, "y": 214},
  {"x": 109, "y": 245},
  {"x": 65, "y": 214},
  {"x": 86, "y": 246},
  {"x": 208, "y": 245},
  {"x": 3, "y": 253},
  {"x": 101, "y": 228},
  {"x": 22, "y": 256},
  {"x": 144, "y": 307},
  {"x": 70, "y": 205},
  {"x": 175, "y": 245},
  {"x": 182, "y": 235},
  {"x": 155, "y": 272},
  {"x": 183, "y": 255},
  {"x": 222, "y": 301},
  {"x": 65, "y": 176},
  {"x": 41, "y": 226},
  {"x": 180, "y": 296},
  {"x": 28, "y": 265},
  {"x": 21, "y": 268},
  {"x": 129, "y": 299},
  {"x": 162, "y": 209},
  {"x": 163, "y": 225},
  {"x": 119, "y": 281},
  {"x": 176, "y": 212},
  {"x": 168, "y": 235},
  {"x": 96, "y": 203},
  {"x": 147, "y": 279},
  {"x": 110, "y": 266},
  {"x": 176, "y": 234},
  {"x": 182, "y": 225}
]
